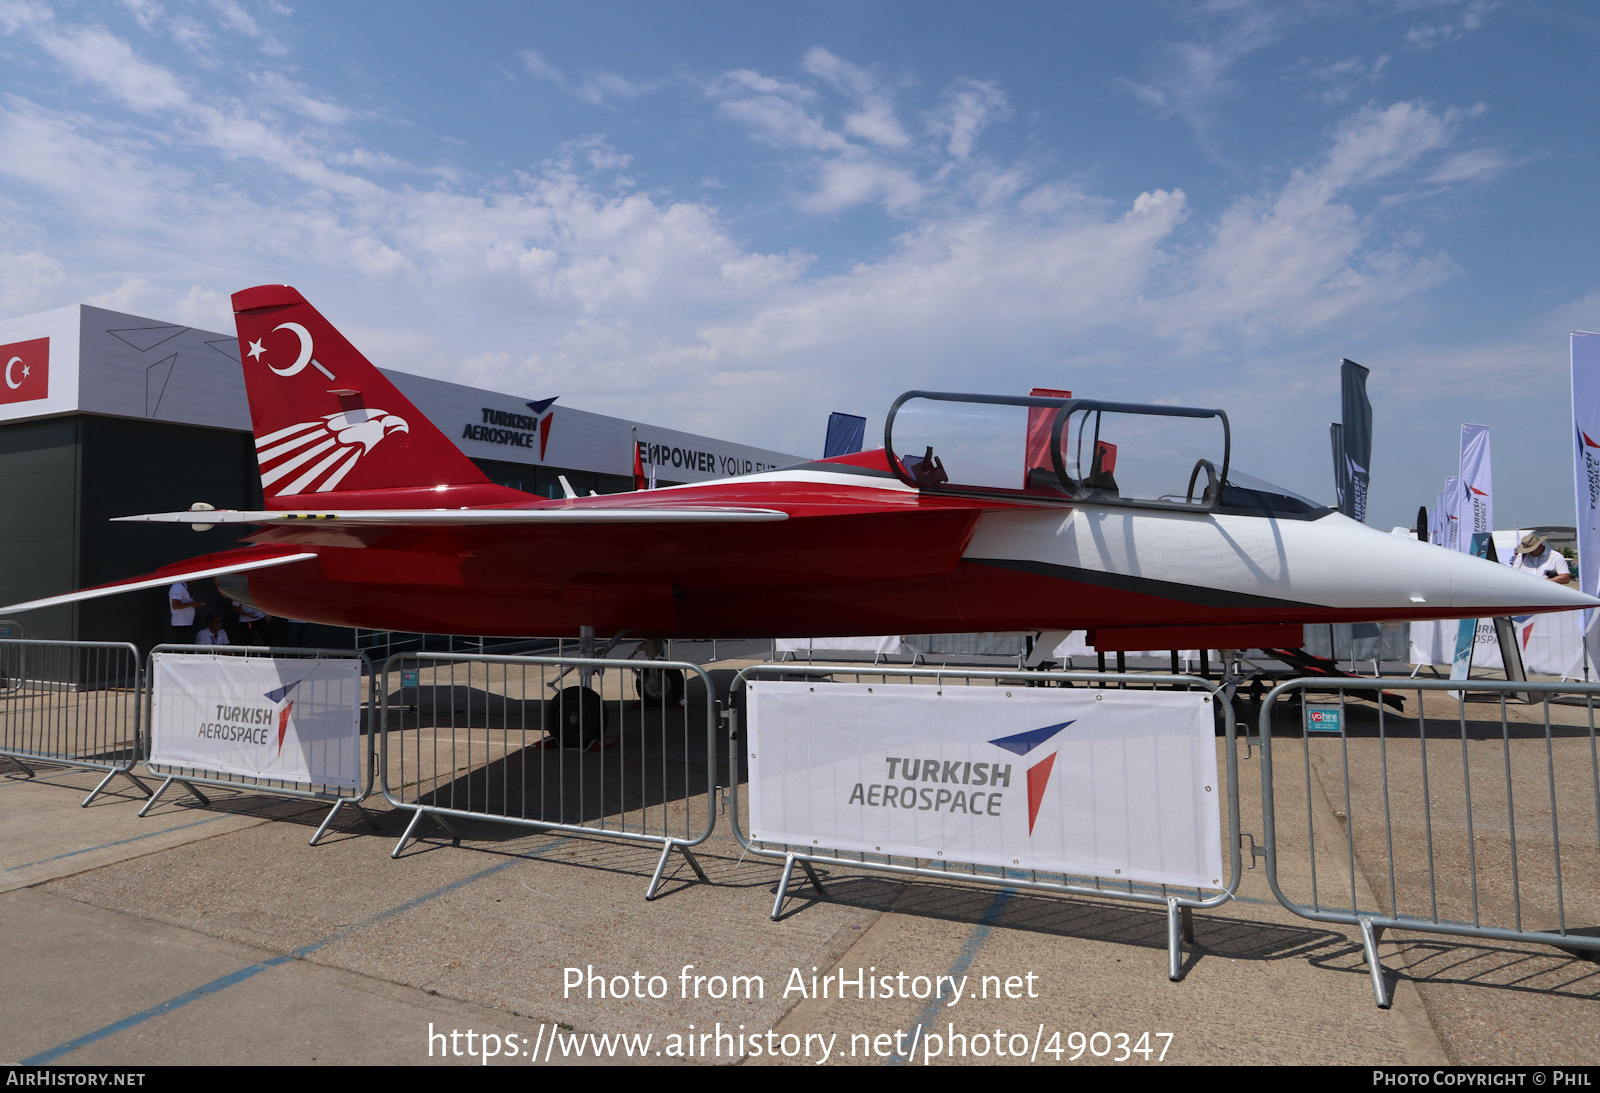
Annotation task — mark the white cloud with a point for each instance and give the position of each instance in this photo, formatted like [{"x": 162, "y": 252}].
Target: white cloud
[
  {"x": 31, "y": 281},
  {"x": 556, "y": 279},
  {"x": 1460, "y": 17},
  {"x": 539, "y": 68},
  {"x": 1347, "y": 75},
  {"x": 596, "y": 89},
  {"x": 295, "y": 97},
  {"x": 970, "y": 107}
]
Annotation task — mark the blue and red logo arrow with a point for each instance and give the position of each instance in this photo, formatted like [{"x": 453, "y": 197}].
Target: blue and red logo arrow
[
  {"x": 1038, "y": 774},
  {"x": 276, "y": 695}
]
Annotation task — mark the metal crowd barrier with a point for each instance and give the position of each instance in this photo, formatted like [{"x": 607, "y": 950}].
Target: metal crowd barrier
[
  {"x": 1462, "y": 819},
  {"x": 71, "y": 703},
  {"x": 1179, "y": 904},
  {"x": 191, "y": 777},
  {"x": 582, "y": 745}
]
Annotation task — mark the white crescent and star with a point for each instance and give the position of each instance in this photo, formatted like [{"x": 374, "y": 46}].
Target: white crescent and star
[
  {"x": 12, "y": 363},
  {"x": 299, "y": 365},
  {"x": 305, "y": 350}
]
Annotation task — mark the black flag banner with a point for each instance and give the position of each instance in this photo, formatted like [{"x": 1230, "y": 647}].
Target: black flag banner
[
  {"x": 1356, "y": 437},
  {"x": 1341, "y": 476}
]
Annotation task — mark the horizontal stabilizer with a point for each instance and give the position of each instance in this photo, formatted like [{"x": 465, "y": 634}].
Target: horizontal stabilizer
[
  {"x": 204, "y": 567},
  {"x": 475, "y": 517}
]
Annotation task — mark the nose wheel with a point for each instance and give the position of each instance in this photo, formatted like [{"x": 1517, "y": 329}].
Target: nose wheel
[
  {"x": 575, "y": 717},
  {"x": 659, "y": 685}
]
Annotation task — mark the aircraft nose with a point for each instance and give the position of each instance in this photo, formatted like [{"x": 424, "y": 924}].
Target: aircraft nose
[{"x": 1481, "y": 588}]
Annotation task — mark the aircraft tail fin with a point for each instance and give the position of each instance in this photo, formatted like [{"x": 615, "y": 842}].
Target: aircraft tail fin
[{"x": 326, "y": 421}]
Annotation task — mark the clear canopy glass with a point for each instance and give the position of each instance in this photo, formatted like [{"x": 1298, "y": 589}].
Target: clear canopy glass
[{"x": 1084, "y": 450}]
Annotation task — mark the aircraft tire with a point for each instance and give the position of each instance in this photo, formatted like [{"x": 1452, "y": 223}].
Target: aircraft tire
[
  {"x": 575, "y": 717},
  {"x": 659, "y": 685}
]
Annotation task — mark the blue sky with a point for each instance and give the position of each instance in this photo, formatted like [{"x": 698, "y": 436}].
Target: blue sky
[{"x": 734, "y": 218}]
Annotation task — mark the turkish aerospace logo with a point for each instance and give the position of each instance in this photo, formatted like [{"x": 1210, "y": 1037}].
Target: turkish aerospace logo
[
  {"x": 1591, "y": 468},
  {"x": 1038, "y": 774},
  {"x": 277, "y": 695},
  {"x": 322, "y": 451}
]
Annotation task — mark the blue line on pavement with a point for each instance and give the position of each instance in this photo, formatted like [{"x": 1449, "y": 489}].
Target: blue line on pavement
[
  {"x": 119, "y": 842},
  {"x": 980, "y": 933},
  {"x": 226, "y": 981}
]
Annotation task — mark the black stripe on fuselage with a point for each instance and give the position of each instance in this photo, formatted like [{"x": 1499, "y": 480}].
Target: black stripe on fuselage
[{"x": 1147, "y": 586}]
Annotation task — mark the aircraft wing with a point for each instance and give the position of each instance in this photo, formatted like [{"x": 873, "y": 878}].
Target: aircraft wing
[
  {"x": 654, "y": 514},
  {"x": 210, "y": 566}
]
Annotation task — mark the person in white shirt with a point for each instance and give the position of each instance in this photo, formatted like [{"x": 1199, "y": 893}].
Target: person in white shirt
[
  {"x": 212, "y": 632},
  {"x": 1535, "y": 558},
  {"x": 182, "y": 608},
  {"x": 253, "y": 621}
]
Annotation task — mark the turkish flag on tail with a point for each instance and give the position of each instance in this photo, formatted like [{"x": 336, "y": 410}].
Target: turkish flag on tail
[{"x": 27, "y": 371}]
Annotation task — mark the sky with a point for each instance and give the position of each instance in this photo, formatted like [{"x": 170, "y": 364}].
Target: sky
[{"x": 734, "y": 218}]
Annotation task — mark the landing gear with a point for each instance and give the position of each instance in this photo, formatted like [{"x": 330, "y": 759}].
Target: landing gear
[
  {"x": 575, "y": 717},
  {"x": 659, "y": 685}
]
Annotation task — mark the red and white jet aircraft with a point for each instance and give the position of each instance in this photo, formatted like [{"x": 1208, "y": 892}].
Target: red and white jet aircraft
[{"x": 982, "y": 513}]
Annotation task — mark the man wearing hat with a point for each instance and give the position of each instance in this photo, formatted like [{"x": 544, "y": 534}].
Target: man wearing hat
[{"x": 1536, "y": 559}]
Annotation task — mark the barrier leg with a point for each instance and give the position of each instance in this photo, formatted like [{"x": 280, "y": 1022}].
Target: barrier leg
[
  {"x": 26, "y": 770},
  {"x": 405, "y": 837},
  {"x": 104, "y": 781},
  {"x": 816, "y": 881},
  {"x": 95, "y": 792},
  {"x": 783, "y": 886},
  {"x": 156, "y": 796},
  {"x": 694, "y": 863},
  {"x": 204, "y": 800},
  {"x": 455, "y": 840},
  {"x": 661, "y": 867},
  {"x": 1370, "y": 934},
  {"x": 372, "y": 821},
  {"x": 326, "y": 820},
  {"x": 1175, "y": 938},
  {"x": 416, "y": 818}
]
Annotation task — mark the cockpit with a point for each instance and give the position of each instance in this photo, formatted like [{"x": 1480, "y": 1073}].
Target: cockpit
[{"x": 1080, "y": 451}]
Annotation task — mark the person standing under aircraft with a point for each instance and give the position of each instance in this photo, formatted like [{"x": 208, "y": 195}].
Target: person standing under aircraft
[
  {"x": 1535, "y": 558},
  {"x": 253, "y": 621},
  {"x": 179, "y": 630}
]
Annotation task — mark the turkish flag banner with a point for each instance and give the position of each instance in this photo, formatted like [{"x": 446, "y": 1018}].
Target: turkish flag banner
[{"x": 27, "y": 371}]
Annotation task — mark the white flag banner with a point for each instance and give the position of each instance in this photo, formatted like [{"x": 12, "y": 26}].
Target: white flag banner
[
  {"x": 1091, "y": 783},
  {"x": 1586, "y": 444},
  {"x": 1458, "y": 515},
  {"x": 1476, "y": 481},
  {"x": 294, "y": 719}
]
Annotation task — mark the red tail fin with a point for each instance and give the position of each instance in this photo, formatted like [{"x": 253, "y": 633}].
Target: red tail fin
[{"x": 326, "y": 420}]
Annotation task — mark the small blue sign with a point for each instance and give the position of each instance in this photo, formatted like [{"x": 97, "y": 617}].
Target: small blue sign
[
  {"x": 409, "y": 676},
  {"x": 1323, "y": 718}
]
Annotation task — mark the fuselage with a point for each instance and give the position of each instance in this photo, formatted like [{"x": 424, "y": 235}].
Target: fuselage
[{"x": 862, "y": 552}]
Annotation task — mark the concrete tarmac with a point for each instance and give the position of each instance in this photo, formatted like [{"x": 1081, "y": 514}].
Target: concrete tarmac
[{"x": 216, "y": 935}]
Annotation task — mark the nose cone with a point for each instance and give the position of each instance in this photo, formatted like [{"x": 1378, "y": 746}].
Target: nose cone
[{"x": 1481, "y": 588}]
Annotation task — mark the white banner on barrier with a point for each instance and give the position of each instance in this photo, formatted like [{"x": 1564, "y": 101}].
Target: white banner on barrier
[
  {"x": 297, "y": 720},
  {"x": 1086, "y": 782},
  {"x": 1551, "y": 644}
]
